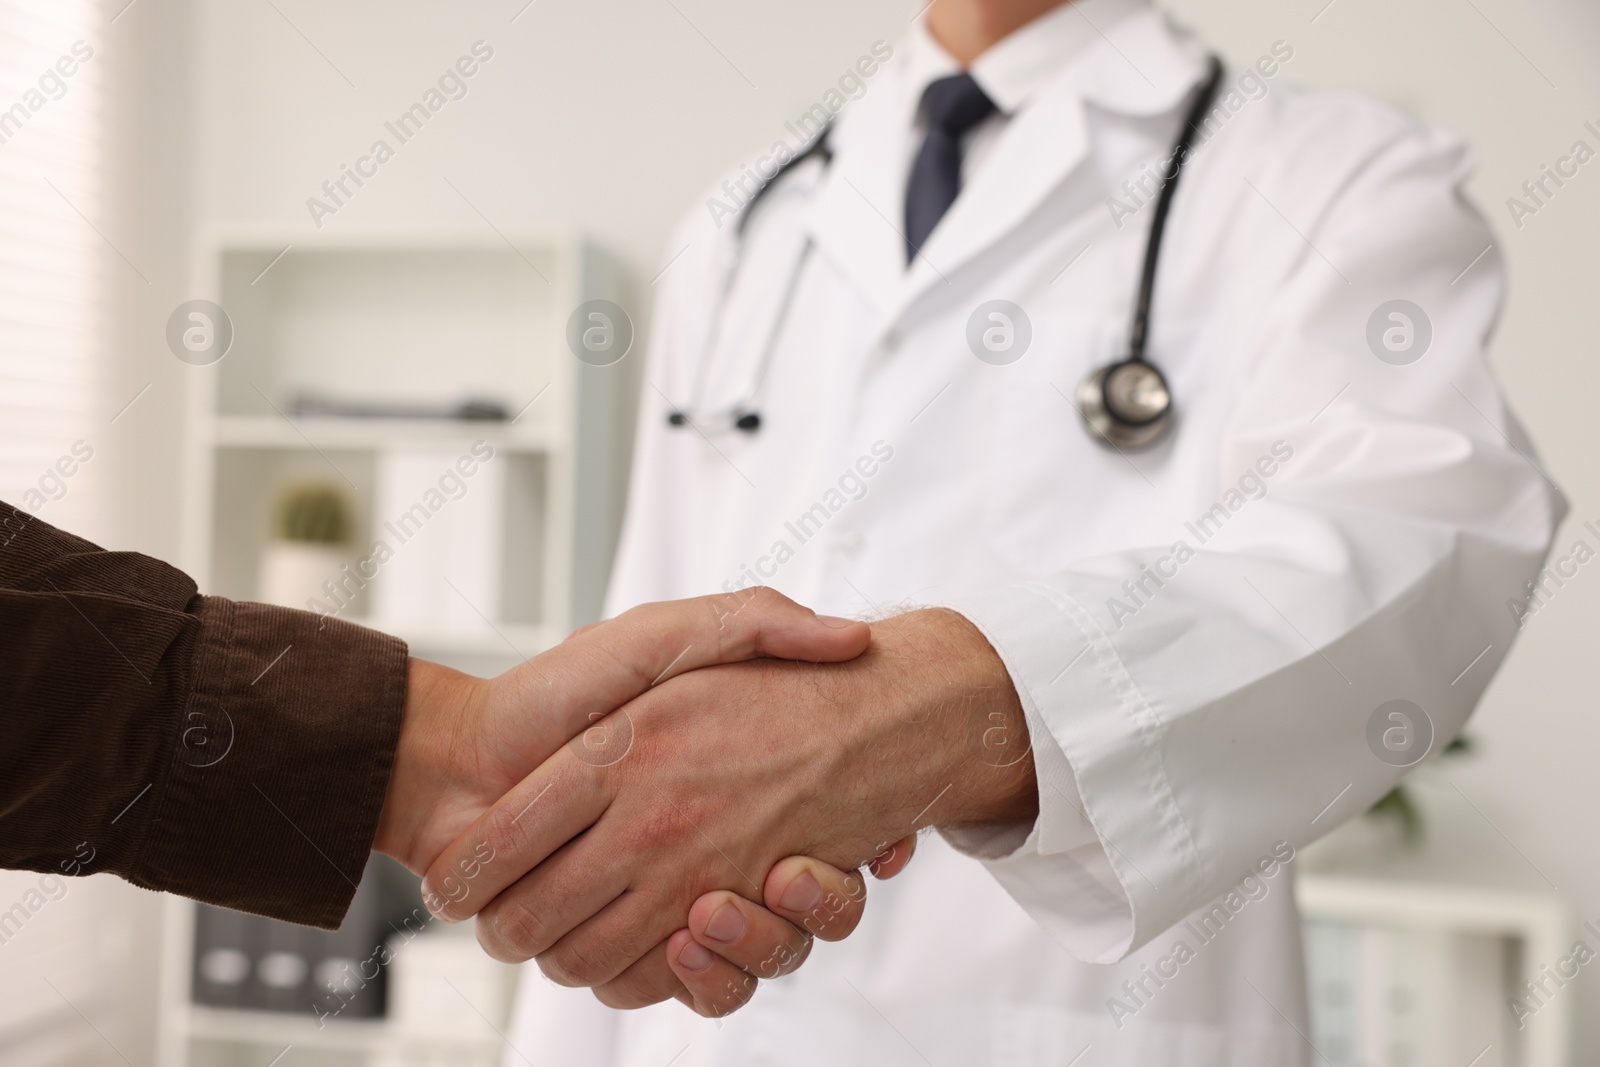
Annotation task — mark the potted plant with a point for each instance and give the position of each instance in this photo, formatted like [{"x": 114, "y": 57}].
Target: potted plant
[{"x": 309, "y": 547}]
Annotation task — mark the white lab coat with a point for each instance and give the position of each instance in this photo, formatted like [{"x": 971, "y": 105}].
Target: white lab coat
[{"x": 1368, "y": 525}]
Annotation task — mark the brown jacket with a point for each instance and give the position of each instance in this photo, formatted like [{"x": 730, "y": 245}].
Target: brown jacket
[{"x": 231, "y": 752}]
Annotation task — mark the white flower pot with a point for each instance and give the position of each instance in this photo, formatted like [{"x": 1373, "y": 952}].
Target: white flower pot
[{"x": 292, "y": 572}]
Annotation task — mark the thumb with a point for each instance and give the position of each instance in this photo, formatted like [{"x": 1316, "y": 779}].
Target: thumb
[
  {"x": 601, "y": 667},
  {"x": 822, "y": 900},
  {"x": 759, "y": 622}
]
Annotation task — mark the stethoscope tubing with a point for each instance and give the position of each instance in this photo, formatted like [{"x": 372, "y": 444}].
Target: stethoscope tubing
[
  {"x": 742, "y": 414},
  {"x": 1097, "y": 404}
]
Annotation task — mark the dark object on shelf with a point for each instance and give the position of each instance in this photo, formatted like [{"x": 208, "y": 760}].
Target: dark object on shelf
[
  {"x": 246, "y": 961},
  {"x": 1397, "y": 804},
  {"x": 307, "y": 406}
]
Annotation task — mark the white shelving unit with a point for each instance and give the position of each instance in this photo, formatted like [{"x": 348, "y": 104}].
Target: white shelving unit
[
  {"x": 1415, "y": 951},
  {"x": 399, "y": 318}
]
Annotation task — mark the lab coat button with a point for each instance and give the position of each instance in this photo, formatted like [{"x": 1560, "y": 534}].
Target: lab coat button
[{"x": 851, "y": 543}]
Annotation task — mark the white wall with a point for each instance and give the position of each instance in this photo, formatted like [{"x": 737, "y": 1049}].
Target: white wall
[
  {"x": 604, "y": 116},
  {"x": 612, "y": 116}
]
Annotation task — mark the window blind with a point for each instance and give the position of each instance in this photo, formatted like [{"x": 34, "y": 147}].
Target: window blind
[
  {"x": 51, "y": 943},
  {"x": 50, "y": 252}
]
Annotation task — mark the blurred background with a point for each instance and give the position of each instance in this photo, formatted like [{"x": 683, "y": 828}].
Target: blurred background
[{"x": 164, "y": 159}]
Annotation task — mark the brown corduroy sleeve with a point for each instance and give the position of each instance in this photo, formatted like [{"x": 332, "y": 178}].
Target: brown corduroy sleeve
[{"x": 234, "y": 753}]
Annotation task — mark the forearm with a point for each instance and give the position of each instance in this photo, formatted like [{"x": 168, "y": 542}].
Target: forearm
[{"x": 236, "y": 753}]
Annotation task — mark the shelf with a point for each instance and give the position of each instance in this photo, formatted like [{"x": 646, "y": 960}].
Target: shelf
[
  {"x": 365, "y": 1037},
  {"x": 526, "y": 640},
  {"x": 240, "y": 1026},
  {"x": 272, "y": 431},
  {"x": 1439, "y": 905},
  {"x": 405, "y": 319}
]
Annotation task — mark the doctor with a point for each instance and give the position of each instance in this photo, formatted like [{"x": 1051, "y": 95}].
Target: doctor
[{"x": 1207, "y": 645}]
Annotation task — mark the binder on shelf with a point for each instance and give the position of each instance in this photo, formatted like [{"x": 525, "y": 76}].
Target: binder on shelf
[
  {"x": 255, "y": 963},
  {"x": 444, "y": 528},
  {"x": 1423, "y": 997}
]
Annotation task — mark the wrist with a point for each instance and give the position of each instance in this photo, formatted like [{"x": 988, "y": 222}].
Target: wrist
[
  {"x": 435, "y": 734},
  {"x": 974, "y": 733}
]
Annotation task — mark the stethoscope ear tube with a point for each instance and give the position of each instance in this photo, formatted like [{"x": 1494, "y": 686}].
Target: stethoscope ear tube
[
  {"x": 1127, "y": 404},
  {"x": 743, "y": 416},
  {"x": 737, "y": 419}
]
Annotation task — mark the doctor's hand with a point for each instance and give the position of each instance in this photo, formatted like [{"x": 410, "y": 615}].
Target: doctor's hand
[
  {"x": 465, "y": 741},
  {"x": 730, "y": 770},
  {"x": 731, "y": 945}
]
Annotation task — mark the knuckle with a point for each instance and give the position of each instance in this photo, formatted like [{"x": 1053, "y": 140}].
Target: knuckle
[
  {"x": 764, "y": 602},
  {"x": 624, "y": 997},
  {"x": 662, "y": 826},
  {"x": 572, "y": 963},
  {"x": 780, "y": 957},
  {"x": 500, "y": 833},
  {"x": 566, "y": 965},
  {"x": 639, "y": 989},
  {"x": 832, "y": 918},
  {"x": 726, "y": 607},
  {"x": 791, "y": 957},
  {"x": 838, "y": 927},
  {"x": 510, "y": 932}
]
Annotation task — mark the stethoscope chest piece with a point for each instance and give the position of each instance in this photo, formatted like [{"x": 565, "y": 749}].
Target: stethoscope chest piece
[{"x": 1126, "y": 404}]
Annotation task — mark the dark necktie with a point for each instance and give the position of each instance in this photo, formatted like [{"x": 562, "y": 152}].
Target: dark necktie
[{"x": 952, "y": 106}]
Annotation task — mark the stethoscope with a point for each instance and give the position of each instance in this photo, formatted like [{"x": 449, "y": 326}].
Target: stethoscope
[{"x": 1125, "y": 404}]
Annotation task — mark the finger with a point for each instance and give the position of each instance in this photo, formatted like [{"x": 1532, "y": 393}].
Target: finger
[
  {"x": 537, "y": 816},
  {"x": 715, "y": 986},
  {"x": 611, "y": 940},
  {"x": 747, "y": 935},
  {"x": 822, "y": 900},
  {"x": 685, "y": 635},
  {"x": 894, "y": 859},
  {"x": 543, "y": 906},
  {"x": 602, "y": 667},
  {"x": 649, "y": 981}
]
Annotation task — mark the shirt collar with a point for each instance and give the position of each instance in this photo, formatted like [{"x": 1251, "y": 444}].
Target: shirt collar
[{"x": 1015, "y": 69}]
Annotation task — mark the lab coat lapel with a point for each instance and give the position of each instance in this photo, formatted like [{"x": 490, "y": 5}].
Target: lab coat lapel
[
  {"x": 855, "y": 219},
  {"x": 1042, "y": 146},
  {"x": 1143, "y": 68}
]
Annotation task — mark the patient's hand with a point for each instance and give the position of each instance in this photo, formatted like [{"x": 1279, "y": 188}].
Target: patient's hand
[{"x": 465, "y": 742}]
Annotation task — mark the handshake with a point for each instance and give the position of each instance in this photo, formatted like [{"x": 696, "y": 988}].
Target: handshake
[{"x": 675, "y": 802}]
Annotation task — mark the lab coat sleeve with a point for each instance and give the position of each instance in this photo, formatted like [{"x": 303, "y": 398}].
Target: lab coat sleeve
[{"x": 1225, "y": 713}]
